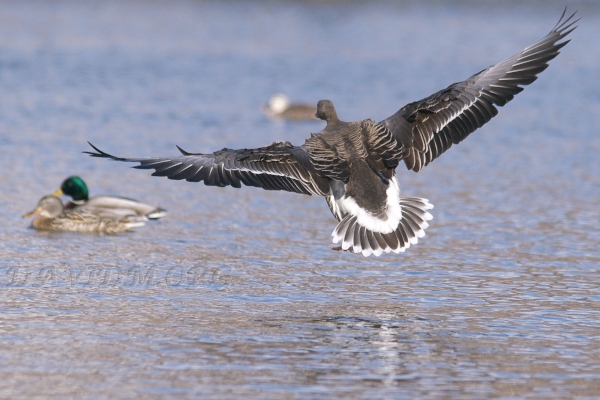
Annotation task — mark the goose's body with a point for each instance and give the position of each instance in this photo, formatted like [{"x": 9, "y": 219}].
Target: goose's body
[
  {"x": 280, "y": 107},
  {"x": 53, "y": 217},
  {"x": 76, "y": 188},
  {"x": 352, "y": 164}
]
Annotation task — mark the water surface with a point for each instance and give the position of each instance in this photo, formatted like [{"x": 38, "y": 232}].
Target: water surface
[{"x": 236, "y": 293}]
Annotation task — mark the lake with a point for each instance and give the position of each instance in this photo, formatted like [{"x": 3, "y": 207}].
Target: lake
[{"x": 235, "y": 293}]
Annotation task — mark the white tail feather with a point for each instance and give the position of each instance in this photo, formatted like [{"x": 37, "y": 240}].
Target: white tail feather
[{"x": 411, "y": 227}]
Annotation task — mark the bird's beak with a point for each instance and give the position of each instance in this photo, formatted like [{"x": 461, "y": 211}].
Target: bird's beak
[
  {"x": 58, "y": 193},
  {"x": 31, "y": 213}
]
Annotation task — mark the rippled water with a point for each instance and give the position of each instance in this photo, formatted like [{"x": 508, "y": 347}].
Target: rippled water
[{"x": 235, "y": 293}]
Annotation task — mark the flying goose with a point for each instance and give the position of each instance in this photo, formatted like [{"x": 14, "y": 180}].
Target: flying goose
[
  {"x": 75, "y": 187},
  {"x": 352, "y": 164},
  {"x": 280, "y": 107}
]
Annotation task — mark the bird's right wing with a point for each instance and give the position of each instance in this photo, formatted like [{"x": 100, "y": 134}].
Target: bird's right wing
[{"x": 279, "y": 166}]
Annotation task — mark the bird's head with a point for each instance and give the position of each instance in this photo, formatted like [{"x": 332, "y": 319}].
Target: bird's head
[
  {"x": 326, "y": 111},
  {"x": 48, "y": 206},
  {"x": 75, "y": 187}
]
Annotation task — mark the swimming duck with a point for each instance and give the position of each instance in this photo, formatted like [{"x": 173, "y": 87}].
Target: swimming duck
[
  {"x": 75, "y": 187},
  {"x": 280, "y": 107},
  {"x": 353, "y": 164},
  {"x": 53, "y": 217}
]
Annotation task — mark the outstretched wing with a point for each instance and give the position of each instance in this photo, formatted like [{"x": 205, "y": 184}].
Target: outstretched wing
[
  {"x": 429, "y": 127},
  {"x": 279, "y": 166}
]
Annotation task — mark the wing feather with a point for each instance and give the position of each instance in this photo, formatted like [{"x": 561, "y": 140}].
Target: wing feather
[
  {"x": 279, "y": 166},
  {"x": 429, "y": 127}
]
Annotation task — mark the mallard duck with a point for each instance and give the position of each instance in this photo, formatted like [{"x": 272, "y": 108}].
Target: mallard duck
[
  {"x": 353, "y": 164},
  {"x": 75, "y": 187},
  {"x": 280, "y": 107},
  {"x": 53, "y": 217}
]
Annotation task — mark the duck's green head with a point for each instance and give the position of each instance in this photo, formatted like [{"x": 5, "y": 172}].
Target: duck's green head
[{"x": 75, "y": 187}]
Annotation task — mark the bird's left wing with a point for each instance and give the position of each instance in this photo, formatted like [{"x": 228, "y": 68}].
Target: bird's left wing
[
  {"x": 279, "y": 166},
  {"x": 428, "y": 127}
]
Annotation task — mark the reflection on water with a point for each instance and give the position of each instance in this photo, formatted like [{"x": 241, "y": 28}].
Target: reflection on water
[{"x": 235, "y": 293}]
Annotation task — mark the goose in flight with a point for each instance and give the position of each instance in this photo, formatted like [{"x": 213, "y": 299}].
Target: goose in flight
[{"x": 353, "y": 164}]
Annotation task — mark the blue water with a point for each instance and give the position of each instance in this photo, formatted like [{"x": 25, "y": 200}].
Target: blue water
[{"x": 236, "y": 293}]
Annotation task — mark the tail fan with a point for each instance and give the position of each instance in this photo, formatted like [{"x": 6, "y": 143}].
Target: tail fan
[
  {"x": 358, "y": 239},
  {"x": 157, "y": 214}
]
